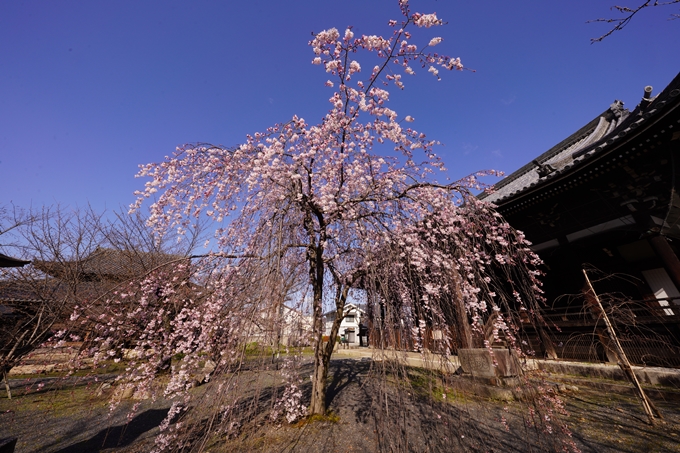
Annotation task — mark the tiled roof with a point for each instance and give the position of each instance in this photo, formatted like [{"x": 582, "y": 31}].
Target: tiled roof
[
  {"x": 108, "y": 263},
  {"x": 8, "y": 261},
  {"x": 593, "y": 140},
  {"x": 361, "y": 308},
  {"x": 11, "y": 290}
]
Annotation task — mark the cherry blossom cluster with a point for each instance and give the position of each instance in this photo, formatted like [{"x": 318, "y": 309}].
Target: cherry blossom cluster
[{"x": 290, "y": 403}]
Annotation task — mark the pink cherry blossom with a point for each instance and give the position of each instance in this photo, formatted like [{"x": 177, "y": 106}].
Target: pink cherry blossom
[{"x": 434, "y": 41}]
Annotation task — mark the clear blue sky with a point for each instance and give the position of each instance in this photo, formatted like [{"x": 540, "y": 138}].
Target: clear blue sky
[{"x": 91, "y": 89}]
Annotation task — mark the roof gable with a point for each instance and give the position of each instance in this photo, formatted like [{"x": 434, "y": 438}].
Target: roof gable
[{"x": 600, "y": 136}]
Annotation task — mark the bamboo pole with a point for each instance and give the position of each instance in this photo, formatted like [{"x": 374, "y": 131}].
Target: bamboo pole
[{"x": 624, "y": 364}]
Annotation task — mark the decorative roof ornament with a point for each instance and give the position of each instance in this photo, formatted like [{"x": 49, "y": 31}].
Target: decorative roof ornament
[
  {"x": 617, "y": 109},
  {"x": 543, "y": 169},
  {"x": 600, "y": 136},
  {"x": 646, "y": 98}
]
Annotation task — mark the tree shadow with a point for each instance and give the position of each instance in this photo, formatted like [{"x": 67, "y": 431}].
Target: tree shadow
[
  {"x": 249, "y": 417},
  {"x": 244, "y": 418},
  {"x": 345, "y": 372},
  {"x": 120, "y": 435}
]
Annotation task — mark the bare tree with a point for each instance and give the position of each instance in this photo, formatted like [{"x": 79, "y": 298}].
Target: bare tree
[
  {"x": 34, "y": 302},
  {"x": 78, "y": 258},
  {"x": 627, "y": 15}
]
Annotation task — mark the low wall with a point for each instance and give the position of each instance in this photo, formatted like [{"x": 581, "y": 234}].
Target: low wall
[{"x": 669, "y": 377}]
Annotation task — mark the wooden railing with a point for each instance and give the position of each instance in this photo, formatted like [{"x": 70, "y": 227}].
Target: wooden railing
[
  {"x": 649, "y": 331},
  {"x": 666, "y": 310}
]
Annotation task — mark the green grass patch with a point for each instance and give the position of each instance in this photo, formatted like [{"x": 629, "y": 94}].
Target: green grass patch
[
  {"x": 257, "y": 350},
  {"x": 328, "y": 417},
  {"x": 59, "y": 400},
  {"x": 433, "y": 384},
  {"x": 107, "y": 367}
]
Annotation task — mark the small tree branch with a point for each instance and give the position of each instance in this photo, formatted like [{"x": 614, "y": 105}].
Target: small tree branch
[{"x": 629, "y": 13}]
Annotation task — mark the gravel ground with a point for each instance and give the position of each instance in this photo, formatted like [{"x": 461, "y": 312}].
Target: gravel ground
[{"x": 70, "y": 417}]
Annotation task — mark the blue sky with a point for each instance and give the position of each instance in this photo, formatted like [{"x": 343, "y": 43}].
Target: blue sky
[{"x": 91, "y": 89}]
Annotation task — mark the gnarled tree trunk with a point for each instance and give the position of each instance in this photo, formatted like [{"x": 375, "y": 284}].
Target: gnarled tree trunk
[{"x": 322, "y": 353}]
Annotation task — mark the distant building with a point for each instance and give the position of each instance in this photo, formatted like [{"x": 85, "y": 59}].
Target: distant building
[
  {"x": 282, "y": 325},
  {"x": 36, "y": 303},
  {"x": 352, "y": 326}
]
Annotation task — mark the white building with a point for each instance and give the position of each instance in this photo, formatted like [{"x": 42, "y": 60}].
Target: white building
[
  {"x": 285, "y": 327},
  {"x": 350, "y": 325}
]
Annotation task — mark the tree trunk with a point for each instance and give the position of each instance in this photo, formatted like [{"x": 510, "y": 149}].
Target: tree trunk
[
  {"x": 318, "y": 403},
  {"x": 548, "y": 346},
  {"x": 322, "y": 356},
  {"x": 463, "y": 329},
  {"x": 277, "y": 318}
]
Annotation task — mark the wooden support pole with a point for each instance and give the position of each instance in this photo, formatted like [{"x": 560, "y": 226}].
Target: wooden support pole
[
  {"x": 624, "y": 364},
  {"x": 7, "y": 388},
  {"x": 548, "y": 346},
  {"x": 670, "y": 261}
]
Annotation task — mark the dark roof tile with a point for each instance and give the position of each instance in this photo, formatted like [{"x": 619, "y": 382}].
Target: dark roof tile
[
  {"x": 591, "y": 140},
  {"x": 8, "y": 261},
  {"x": 108, "y": 263}
]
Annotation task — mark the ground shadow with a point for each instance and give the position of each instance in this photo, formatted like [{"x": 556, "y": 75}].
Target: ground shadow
[
  {"x": 120, "y": 435},
  {"x": 345, "y": 372}
]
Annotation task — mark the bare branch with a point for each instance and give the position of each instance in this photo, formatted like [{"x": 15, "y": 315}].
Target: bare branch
[{"x": 629, "y": 13}]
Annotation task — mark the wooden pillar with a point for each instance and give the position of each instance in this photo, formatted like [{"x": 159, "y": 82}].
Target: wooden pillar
[
  {"x": 548, "y": 346},
  {"x": 668, "y": 257}
]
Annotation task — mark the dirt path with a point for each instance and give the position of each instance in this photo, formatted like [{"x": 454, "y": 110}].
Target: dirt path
[{"x": 368, "y": 416}]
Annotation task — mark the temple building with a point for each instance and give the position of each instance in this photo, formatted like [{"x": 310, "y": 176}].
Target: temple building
[
  {"x": 8, "y": 261},
  {"x": 606, "y": 199}
]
